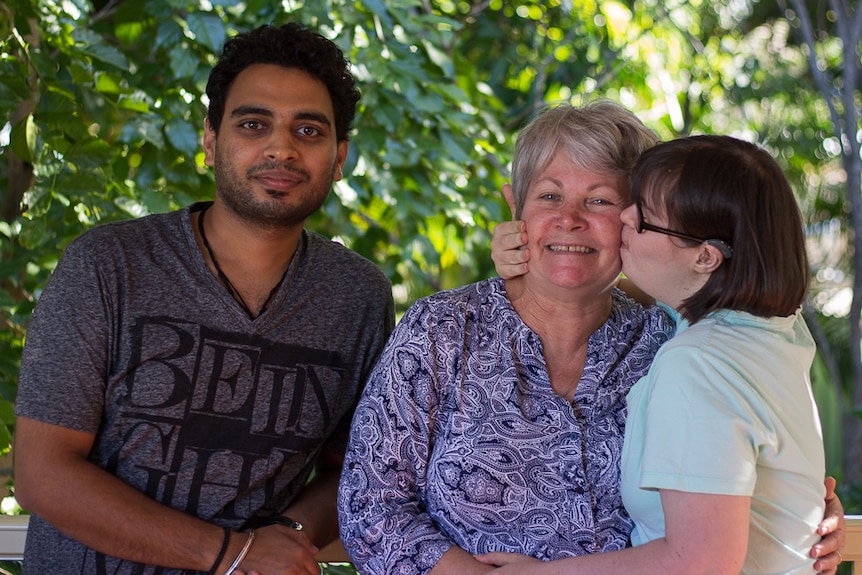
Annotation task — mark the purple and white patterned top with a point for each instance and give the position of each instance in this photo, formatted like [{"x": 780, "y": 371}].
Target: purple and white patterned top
[{"x": 459, "y": 439}]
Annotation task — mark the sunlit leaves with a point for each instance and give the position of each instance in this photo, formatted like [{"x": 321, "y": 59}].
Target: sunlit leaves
[
  {"x": 183, "y": 61},
  {"x": 119, "y": 106},
  {"x": 207, "y": 29},
  {"x": 91, "y": 44},
  {"x": 182, "y": 136},
  {"x": 23, "y": 139}
]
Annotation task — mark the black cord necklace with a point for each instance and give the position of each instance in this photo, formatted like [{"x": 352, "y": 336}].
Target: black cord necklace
[{"x": 227, "y": 283}]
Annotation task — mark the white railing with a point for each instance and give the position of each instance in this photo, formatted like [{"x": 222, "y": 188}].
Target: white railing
[
  {"x": 13, "y": 532},
  {"x": 853, "y": 546}
]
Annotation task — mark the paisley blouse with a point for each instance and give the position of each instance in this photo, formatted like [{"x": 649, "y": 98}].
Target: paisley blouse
[{"x": 459, "y": 439}]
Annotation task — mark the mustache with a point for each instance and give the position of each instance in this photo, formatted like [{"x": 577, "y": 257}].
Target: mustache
[{"x": 277, "y": 166}]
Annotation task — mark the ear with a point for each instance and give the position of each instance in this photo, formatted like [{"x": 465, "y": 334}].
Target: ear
[
  {"x": 507, "y": 193},
  {"x": 708, "y": 259},
  {"x": 209, "y": 143},
  {"x": 340, "y": 158}
]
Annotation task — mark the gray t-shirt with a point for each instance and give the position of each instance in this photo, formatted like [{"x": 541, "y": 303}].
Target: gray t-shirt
[{"x": 192, "y": 402}]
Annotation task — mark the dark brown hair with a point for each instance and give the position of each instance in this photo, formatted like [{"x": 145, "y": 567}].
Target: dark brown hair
[
  {"x": 724, "y": 188},
  {"x": 291, "y": 46}
]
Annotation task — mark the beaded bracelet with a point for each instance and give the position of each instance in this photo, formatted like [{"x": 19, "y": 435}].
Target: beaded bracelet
[
  {"x": 221, "y": 552},
  {"x": 242, "y": 554}
]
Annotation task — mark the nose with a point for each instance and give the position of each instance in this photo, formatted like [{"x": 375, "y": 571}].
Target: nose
[
  {"x": 281, "y": 146},
  {"x": 629, "y": 217},
  {"x": 570, "y": 216}
]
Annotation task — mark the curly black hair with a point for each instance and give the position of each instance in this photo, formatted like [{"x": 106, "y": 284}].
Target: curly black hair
[{"x": 292, "y": 46}]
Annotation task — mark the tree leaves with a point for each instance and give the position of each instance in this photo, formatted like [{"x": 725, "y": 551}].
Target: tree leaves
[
  {"x": 207, "y": 29},
  {"x": 118, "y": 105}
]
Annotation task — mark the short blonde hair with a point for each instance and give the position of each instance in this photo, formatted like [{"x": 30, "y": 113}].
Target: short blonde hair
[{"x": 601, "y": 136}]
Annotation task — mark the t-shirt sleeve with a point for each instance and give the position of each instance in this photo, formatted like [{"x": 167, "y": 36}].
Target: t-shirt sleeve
[
  {"x": 64, "y": 363},
  {"x": 377, "y": 336},
  {"x": 700, "y": 434}
]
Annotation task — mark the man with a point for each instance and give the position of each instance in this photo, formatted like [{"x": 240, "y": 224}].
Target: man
[{"x": 185, "y": 372}]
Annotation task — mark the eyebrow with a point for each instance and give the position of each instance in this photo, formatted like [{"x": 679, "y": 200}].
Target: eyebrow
[
  {"x": 591, "y": 188},
  {"x": 250, "y": 110},
  {"x": 261, "y": 111}
]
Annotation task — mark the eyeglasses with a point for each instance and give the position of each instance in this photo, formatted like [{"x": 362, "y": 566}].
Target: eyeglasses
[{"x": 720, "y": 245}]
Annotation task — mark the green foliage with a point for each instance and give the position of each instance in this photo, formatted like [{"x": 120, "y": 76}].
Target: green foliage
[
  {"x": 105, "y": 100},
  {"x": 337, "y": 569}
]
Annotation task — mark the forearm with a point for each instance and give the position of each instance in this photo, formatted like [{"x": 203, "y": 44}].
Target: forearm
[
  {"x": 654, "y": 558},
  {"x": 316, "y": 506},
  {"x": 105, "y": 514},
  {"x": 56, "y": 481},
  {"x": 705, "y": 534},
  {"x": 456, "y": 561}
]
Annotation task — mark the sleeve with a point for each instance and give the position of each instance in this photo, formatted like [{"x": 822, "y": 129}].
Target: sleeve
[
  {"x": 701, "y": 433},
  {"x": 384, "y": 525},
  {"x": 383, "y": 321},
  {"x": 65, "y": 360}
]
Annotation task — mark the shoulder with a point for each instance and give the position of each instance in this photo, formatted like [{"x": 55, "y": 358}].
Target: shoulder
[
  {"x": 486, "y": 294},
  {"x": 470, "y": 303},
  {"x": 319, "y": 244},
  {"x": 133, "y": 233},
  {"x": 328, "y": 255},
  {"x": 700, "y": 353},
  {"x": 630, "y": 317},
  {"x": 124, "y": 244}
]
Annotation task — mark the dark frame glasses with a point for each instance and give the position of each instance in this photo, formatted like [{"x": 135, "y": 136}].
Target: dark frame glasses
[{"x": 722, "y": 246}]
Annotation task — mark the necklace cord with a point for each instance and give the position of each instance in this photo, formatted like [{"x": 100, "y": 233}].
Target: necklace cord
[{"x": 227, "y": 283}]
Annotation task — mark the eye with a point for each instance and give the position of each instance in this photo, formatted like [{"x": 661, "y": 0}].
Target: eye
[
  {"x": 253, "y": 125},
  {"x": 604, "y": 201},
  {"x": 548, "y": 196},
  {"x": 309, "y": 131}
]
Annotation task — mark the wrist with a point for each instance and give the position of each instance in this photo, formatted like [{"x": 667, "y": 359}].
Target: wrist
[
  {"x": 222, "y": 552},
  {"x": 241, "y": 554}
]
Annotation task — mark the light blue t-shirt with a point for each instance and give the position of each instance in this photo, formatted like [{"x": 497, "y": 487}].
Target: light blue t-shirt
[{"x": 727, "y": 409}]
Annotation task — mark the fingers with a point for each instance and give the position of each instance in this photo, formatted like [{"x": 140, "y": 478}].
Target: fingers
[
  {"x": 509, "y": 235},
  {"x": 828, "y": 526},
  {"x": 510, "y": 259},
  {"x": 828, "y": 565},
  {"x": 833, "y": 529},
  {"x": 830, "y": 487},
  {"x": 833, "y": 517},
  {"x": 279, "y": 549},
  {"x": 486, "y": 558},
  {"x": 509, "y": 227},
  {"x": 833, "y": 526},
  {"x": 497, "y": 559}
]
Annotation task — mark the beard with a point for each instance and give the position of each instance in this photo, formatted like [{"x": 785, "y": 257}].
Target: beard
[{"x": 277, "y": 212}]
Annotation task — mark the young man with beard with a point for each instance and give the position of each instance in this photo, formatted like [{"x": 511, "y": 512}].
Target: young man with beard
[{"x": 185, "y": 373}]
